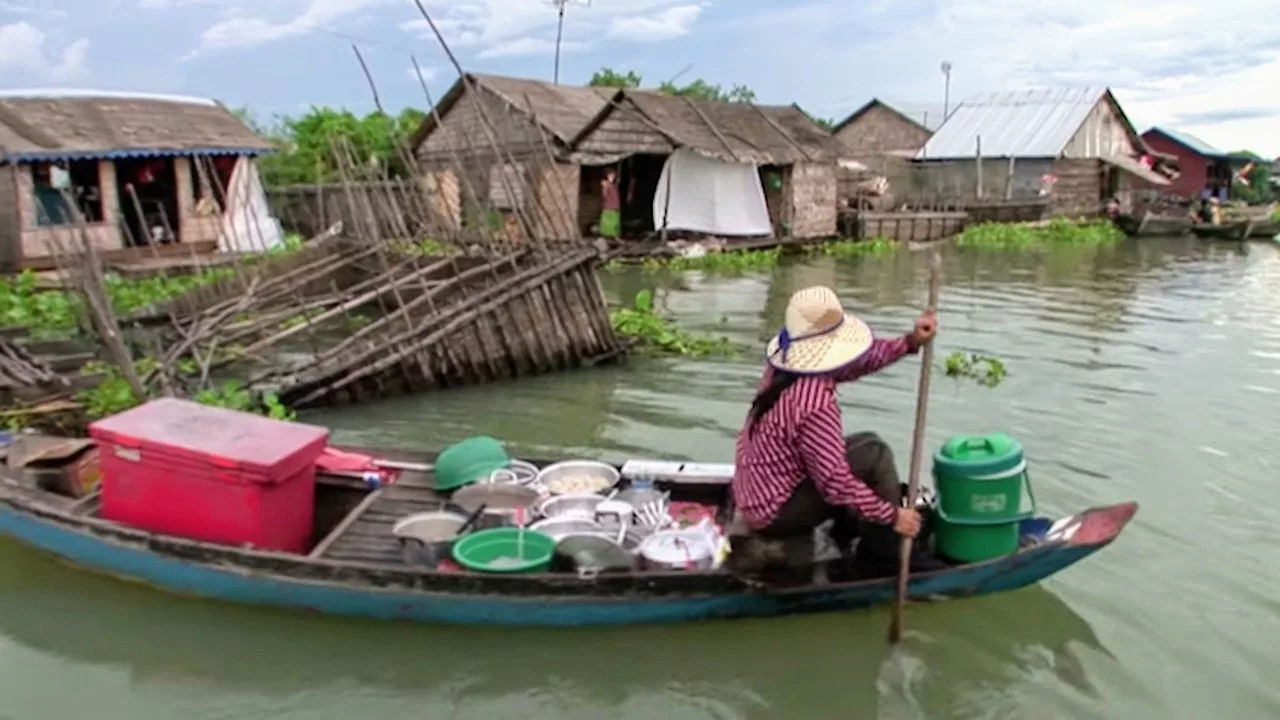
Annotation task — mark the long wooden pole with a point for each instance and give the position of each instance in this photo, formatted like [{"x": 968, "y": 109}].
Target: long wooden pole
[{"x": 917, "y": 450}]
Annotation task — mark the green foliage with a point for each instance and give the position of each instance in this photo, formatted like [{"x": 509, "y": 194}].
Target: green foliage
[
  {"x": 608, "y": 77},
  {"x": 305, "y": 144},
  {"x": 654, "y": 332},
  {"x": 1259, "y": 189},
  {"x": 1005, "y": 236},
  {"x": 114, "y": 395},
  {"x": 983, "y": 369},
  {"x": 698, "y": 89}
]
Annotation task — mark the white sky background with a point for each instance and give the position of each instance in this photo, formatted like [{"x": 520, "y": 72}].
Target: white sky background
[{"x": 1209, "y": 69}]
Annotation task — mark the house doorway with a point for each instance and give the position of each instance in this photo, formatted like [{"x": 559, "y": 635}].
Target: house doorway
[
  {"x": 154, "y": 217},
  {"x": 637, "y": 183}
]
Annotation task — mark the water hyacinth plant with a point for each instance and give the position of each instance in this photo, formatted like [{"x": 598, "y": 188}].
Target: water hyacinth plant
[
  {"x": 651, "y": 331},
  {"x": 1059, "y": 231}
]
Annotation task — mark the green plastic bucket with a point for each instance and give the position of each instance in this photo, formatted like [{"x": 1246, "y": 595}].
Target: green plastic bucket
[
  {"x": 979, "y": 481},
  {"x": 502, "y": 550},
  {"x": 469, "y": 460}
]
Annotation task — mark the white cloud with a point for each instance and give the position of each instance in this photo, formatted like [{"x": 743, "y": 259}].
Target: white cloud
[
  {"x": 25, "y": 48},
  {"x": 505, "y": 28},
  {"x": 1187, "y": 60},
  {"x": 428, "y": 74},
  {"x": 242, "y": 32},
  {"x": 34, "y": 10},
  {"x": 670, "y": 23},
  {"x": 529, "y": 46}
]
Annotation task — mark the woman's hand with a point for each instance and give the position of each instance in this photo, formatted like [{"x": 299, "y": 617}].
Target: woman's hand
[
  {"x": 907, "y": 523},
  {"x": 925, "y": 328}
]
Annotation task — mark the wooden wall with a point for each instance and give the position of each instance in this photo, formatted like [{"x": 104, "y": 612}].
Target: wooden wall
[{"x": 880, "y": 130}]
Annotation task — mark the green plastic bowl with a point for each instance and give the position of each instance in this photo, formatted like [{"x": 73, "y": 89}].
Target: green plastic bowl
[
  {"x": 501, "y": 550},
  {"x": 468, "y": 461}
]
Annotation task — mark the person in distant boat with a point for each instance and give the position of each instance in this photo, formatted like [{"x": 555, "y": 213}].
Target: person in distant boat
[
  {"x": 794, "y": 469},
  {"x": 611, "y": 215}
]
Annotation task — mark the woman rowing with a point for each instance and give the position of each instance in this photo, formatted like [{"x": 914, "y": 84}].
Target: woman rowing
[{"x": 794, "y": 469}]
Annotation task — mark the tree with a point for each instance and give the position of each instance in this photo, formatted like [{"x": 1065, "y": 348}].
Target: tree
[
  {"x": 698, "y": 89},
  {"x": 305, "y": 145},
  {"x": 608, "y": 77}
]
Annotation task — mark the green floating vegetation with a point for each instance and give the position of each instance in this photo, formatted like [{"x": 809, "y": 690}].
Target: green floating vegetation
[
  {"x": 654, "y": 332},
  {"x": 23, "y": 303},
  {"x": 983, "y": 369},
  {"x": 114, "y": 395},
  {"x": 739, "y": 261},
  {"x": 1059, "y": 231}
]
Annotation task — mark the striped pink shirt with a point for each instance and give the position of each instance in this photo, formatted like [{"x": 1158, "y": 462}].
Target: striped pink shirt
[{"x": 803, "y": 436}]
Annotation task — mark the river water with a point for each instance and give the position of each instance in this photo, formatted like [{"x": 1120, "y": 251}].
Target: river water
[{"x": 1147, "y": 371}]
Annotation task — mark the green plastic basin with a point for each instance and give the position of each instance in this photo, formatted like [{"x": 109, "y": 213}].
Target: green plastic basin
[
  {"x": 469, "y": 460},
  {"x": 502, "y": 550}
]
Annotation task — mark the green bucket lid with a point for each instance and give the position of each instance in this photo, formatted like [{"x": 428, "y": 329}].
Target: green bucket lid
[
  {"x": 468, "y": 461},
  {"x": 980, "y": 454}
]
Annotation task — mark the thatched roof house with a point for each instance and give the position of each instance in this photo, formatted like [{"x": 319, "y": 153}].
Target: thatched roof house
[
  {"x": 126, "y": 160},
  {"x": 639, "y": 121},
  {"x": 713, "y": 144},
  {"x": 71, "y": 126}
]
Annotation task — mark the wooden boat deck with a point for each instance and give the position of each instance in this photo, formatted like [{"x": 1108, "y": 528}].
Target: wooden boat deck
[{"x": 365, "y": 534}]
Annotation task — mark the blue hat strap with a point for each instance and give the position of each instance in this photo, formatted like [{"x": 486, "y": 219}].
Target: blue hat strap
[{"x": 785, "y": 340}]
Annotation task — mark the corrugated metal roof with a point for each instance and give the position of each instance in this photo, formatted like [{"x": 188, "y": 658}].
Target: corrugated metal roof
[
  {"x": 1192, "y": 142},
  {"x": 1024, "y": 123}
]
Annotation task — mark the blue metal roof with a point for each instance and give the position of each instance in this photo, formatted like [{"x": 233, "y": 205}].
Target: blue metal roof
[
  {"x": 1027, "y": 123},
  {"x": 1191, "y": 142},
  {"x": 54, "y": 155}
]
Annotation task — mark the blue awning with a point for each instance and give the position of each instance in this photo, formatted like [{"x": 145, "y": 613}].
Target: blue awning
[{"x": 54, "y": 155}]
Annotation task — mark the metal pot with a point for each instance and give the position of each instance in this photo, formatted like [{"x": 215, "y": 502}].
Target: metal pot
[
  {"x": 578, "y": 505},
  {"x": 427, "y": 538},
  {"x": 564, "y": 526},
  {"x": 600, "y": 476},
  {"x": 590, "y": 555},
  {"x": 678, "y": 550},
  {"x": 505, "y": 504}
]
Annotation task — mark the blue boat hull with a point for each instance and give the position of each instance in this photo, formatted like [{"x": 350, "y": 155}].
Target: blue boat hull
[{"x": 271, "y": 579}]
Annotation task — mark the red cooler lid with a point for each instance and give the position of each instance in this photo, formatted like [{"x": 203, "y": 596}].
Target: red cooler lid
[{"x": 227, "y": 437}]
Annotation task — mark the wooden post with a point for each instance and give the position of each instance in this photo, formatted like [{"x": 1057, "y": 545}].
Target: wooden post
[
  {"x": 978, "y": 164},
  {"x": 1008, "y": 183}
]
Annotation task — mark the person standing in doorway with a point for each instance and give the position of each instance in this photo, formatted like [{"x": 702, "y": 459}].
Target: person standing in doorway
[{"x": 611, "y": 214}]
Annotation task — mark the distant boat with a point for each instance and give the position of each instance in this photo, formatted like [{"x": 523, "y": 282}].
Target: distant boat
[
  {"x": 1149, "y": 224},
  {"x": 1227, "y": 231}
]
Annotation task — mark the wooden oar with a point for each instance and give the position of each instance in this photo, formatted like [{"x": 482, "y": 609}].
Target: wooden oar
[{"x": 917, "y": 450}]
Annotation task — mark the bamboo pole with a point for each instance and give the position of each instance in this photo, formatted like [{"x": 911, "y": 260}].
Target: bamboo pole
[{"x": 917, "y": 450}]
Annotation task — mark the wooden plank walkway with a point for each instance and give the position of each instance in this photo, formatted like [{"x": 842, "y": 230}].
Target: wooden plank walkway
[{"x": 367, "y": 537}]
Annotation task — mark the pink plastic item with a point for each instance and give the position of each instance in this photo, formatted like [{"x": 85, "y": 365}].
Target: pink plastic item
[{"x": 180, "y": 468}]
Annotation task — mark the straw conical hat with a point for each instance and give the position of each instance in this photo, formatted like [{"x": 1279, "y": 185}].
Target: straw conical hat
[{"x": 819, "y": 335}]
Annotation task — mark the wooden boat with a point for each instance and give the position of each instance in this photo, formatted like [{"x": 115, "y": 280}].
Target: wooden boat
[
  {"x": 1150, "y": 224},
  {"x": 1264, "y": 230},
  {"x": 356, "y": 567},
  {"x": 1226, "y": 231}
]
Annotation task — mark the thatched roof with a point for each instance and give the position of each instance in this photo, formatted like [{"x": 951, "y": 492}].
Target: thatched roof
[
  {"x": 561, "y": 110},
  {"x": 66, "y": 125},
  {"x": 641, "y": 121}
]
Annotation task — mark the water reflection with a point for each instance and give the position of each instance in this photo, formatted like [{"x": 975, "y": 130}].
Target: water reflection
[{"x": 188, "y": 652}]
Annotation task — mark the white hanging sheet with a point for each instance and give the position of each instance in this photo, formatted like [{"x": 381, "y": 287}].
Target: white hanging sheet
[
  {"x": 711, "y": 196},
  {"x": 247, "y": 224}
]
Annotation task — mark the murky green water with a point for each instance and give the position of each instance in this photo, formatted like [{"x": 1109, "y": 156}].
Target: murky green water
[{"x": 1150, "y": 371}]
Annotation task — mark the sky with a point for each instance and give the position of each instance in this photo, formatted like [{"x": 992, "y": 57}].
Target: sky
[{"x": 1208, "y": 69}]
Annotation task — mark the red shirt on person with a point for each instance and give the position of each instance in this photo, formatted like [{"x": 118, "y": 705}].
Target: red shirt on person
[{"x": 803, "y": 436}]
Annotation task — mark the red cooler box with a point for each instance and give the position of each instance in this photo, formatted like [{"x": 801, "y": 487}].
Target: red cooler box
[{"x": 180, "y": 468}]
